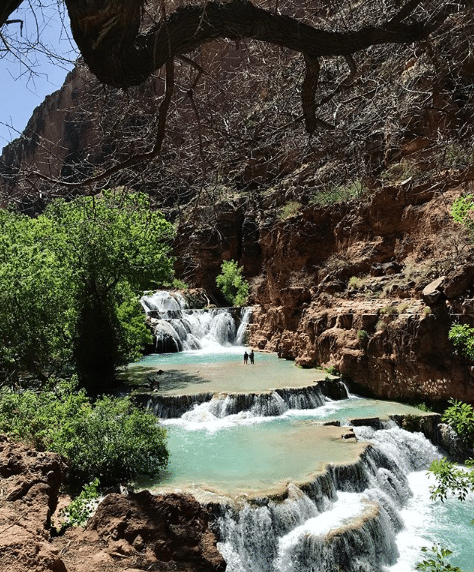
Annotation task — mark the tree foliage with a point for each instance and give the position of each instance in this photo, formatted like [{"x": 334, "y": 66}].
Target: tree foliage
[
  {"x": 438, "y": 561},
  {"x": 110, "y": 439},
  {"x": 231, "y": 283},
  {"x": 462, "y": 337},
  {"x": 70, "y": 280}
]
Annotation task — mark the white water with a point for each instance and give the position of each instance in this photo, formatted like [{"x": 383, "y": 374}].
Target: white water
[
  {"x": 330, "y": 525},
  {"x": 177, "y": 328},
  {"x": 292, "y": 536}
]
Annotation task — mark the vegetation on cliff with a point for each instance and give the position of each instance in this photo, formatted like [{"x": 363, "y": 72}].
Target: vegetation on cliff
[{"x": 232, "y": 284}]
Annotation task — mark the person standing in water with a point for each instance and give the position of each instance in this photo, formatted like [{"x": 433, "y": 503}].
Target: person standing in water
[
  {"x": 252, "y": 357},
  {"x": 246, "y": 357}
]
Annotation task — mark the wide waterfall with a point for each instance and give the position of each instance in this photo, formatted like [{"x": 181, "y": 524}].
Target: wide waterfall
[
  {"x": 262, "y": 445},
  {"x": 329, "y": 512},
  {"x": 177, "y": 328},
  {"x": 347, "y": 519}
]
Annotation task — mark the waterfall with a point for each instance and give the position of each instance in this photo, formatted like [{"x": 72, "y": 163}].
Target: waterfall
[
  {"x": 217, "y": 406},
  {"x": 177, "y": 328},
  {"x": 346, "y": 519}
]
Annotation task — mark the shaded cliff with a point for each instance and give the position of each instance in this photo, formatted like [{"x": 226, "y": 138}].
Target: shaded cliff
[{"x": 338, "y": 233}]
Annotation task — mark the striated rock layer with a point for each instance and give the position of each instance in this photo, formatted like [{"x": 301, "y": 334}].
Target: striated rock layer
[{"x": 372, "y": 289}]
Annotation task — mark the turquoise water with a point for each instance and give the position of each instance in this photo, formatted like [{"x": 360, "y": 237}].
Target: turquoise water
[
  {"x": 242, "y": 453},
  {"x": 247, "y": 455},
  {"x": 222, "y": 371}
]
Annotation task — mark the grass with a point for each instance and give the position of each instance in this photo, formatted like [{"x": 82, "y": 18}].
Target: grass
[
  {"x": 290, "y": 209},
  {"x": 338, "y": 194}
]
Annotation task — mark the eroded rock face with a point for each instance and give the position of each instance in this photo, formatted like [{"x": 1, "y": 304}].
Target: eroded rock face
[
  {"x": 136, "y": 532},
  {"x": 371, "y": 288},
  {"x": 29, "y": 487},
  {"x": 172, "y": 530}
]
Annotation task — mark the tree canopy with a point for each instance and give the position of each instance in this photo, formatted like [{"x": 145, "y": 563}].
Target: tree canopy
[{"x": 70, "y": 280}]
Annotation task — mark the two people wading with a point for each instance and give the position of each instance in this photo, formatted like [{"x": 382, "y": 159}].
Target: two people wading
[{"x": 250, "y": 356}]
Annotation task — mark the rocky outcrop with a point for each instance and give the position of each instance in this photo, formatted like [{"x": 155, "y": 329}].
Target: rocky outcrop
[
  {"x": 135, "y": 532},
  {"x": 29, "y": 484},
  {"x": 371, "y": 288},
  {"x": 172, "y": 530}
]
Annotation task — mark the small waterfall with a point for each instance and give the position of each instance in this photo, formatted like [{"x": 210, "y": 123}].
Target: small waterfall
[
  {"x": 177, "y": 328},
  {"x": 246, "y": 315},
  {"x": 256, "y": 404},
  {"x": 346, "y": 519}
]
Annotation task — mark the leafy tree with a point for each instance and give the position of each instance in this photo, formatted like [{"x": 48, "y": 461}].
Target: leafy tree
[
  {"x": 231, "y": 283},
  {"x": 110, "y": 439},
  {"x": 70, "y": 281}
]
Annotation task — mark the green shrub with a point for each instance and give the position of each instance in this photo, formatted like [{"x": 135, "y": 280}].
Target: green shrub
[
  {"x": 79, "y": 510},
  {"x": 389, "y": 310},
  {"x": 111, "y": 438},
  {"x": 338, "y": 193},
  {"x": 290, "y": 209},
  {"x": 460, "y": 416},
  {"x": 400, "y": 172},
  {"x": 362, "y": 335},
  {"x": 231, "y": 283},
  {"x": 332, "y": 371},
  {"x": 462, "y": 337},
  {"x": 455, "y": 156}
]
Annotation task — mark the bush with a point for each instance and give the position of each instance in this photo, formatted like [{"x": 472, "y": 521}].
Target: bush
[
  {"x": 462, "y": 337},
  {"x": 111, "y": 439},
  {"x": 460, "y": 416},
  {"x": 338, "y": 194},
  {"x": 290, "y": 209},
  {"x": 79, "y": 510},
  {"x": 234, "y": 288},
  {"x": 363, "y": 336}
]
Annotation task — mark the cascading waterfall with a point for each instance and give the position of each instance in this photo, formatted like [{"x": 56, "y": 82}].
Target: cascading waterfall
[
  {"x": 346, "y": 519},
  {"x": 274, "y": 403},
  {"x": 177, "y": 328}
]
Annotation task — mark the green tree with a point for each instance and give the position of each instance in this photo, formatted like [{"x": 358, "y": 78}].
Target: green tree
[
  {"x": 70, "y": 282},
  {"x": 462, "y": 337},
  {"x": 231, "y": 283}
]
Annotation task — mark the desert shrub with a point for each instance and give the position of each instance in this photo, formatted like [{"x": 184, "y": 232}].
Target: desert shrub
[
  {"x": 338, "y": 193},
  {"x": 362, "y": 335},
  {"x": 400, "y": 172},
  {"x": 231, "y": 283},
  {"x": 111, "y": 438},
  {"x": 389, "y": 311},
  {"x": 455, "y": 156},
  {"x": 290, "y": 209}
]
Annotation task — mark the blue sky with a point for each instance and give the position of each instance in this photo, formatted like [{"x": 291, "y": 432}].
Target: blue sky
[{"x": 26, "y": 78}]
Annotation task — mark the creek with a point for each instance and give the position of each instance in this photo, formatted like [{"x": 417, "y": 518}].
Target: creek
[{"x": 288, "y": 493}]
